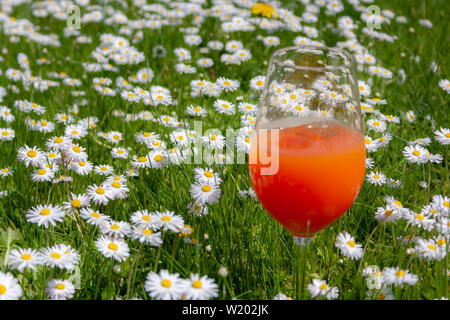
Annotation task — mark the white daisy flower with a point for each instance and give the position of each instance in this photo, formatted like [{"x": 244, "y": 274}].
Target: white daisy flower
[
  {"x": 115, "y": 248},
  {"x": 164, "y": 285},
  {"x": 200, "y": 288},
  {"x": 348, "y": 247},
  {"x": 59, "y": 289}
]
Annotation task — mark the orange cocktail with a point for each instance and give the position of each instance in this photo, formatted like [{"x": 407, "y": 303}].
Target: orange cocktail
[{"x": 321, "y": 170}]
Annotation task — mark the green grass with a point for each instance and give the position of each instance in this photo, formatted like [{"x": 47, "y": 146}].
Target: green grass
[{"x": 257, "y": 252}]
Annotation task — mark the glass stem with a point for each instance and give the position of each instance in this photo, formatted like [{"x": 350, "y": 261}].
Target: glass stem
[{"x": 301, "y": 248}]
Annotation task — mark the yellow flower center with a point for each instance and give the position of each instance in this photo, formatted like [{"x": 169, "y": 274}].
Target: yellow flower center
[
  {"x": 400, "y": 273},
  {"x": 213, "y": 138},
  {"x": 259, "y": 83},
  {"x": 158, "y": 158},
  {"x": 76, "y": 203},
  {"x": 113, "y": 246},
  {"x": 420, "y": 217},
  {"x": 398, "y": 203},
  {"x": 41, "y": 172},
  {"x": 416, "y": 153},
  {"x": 376, "y": 124},
  {"x": 55, "y": 255},
  {"x": 441, "y": 242},
  {"x": 446, "y": 204},
  {"x": 206, "y": 188},
  {"x": 197, "y": 284},
  {"x": 76, "y": 149},
  {"x": 142, "y": 159},
  {"x": 2, "y": 289},
  {"x": 351, "y": 243},
  {"x": 166, "y": 218},
  {"x": 45, "y": 212},
  {"x": 323, "y": 286},
  {"x": 100, "y": 190},
  {"x": 81, "y": 163},
  {"x": 95, "y": 215},
  {"x": 31, "y": 153},
  {"x": 115, "y": 185},
  {"x": 431, "y": 247},
  {"x": 208, "y": 174},
  {"x": 25, "y": 256},
  {"x": 147, "y": 231},
  {"x": 60, "y": 286},
  {"x": 166, "y": 283}
]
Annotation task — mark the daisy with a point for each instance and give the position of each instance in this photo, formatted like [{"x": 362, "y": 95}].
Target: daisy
[
  {"x": 205, "y": 193},
  {"x": 58, "y": 143},
  {"x": 82, "y": 168},
  {"x": 146, "y": 235},
  {"x": 75, "y": 131},
  {"x": 398, "y": 277},
  {"x": 10, "y": 288},
  {"x": 417, "y": 219},
  {"x": 247, "y": 108},
  {"x": 257, "y": 83},
  {"x": 30, "y": 156},
  {"x": 98, "y": 194},
  {"x": 200, "y": 288},
  {"x": 442, "y": 136},
  {"x": 196, "y": 111},
  {"x": 415, "y": 154},
  {"x": 168, "y": 220},
  {"x": 117, "y": 189},
  {"x": 348, "y": 247},
  {"x": 197, "y": 209},
  {"x": 7, "y": 134},
  {"x": 321, "y": 288},
  {"x": 144, "y": 219},
  {"x": 205, "y": 62},
  {"x": 119, "y": 153},
  {"x": 158, "y": 159},
  {"x": 76, "y": 202},
  {"x": 42, "y": 175},
  {"x": 6, "y": 172},
  {"x": 116, "y": 229},
  {"x": 387, "y": 214},
  {"x": 75, "y": 153},
  {"x": 376, "y": 125},
  {"x": 391, "y": 118},
  {"x": 376, "y": 178},
  {"x": 214, "y": 141},
  {"x": 445, "y": 85},
  {"x": 113, "y": 248},
  {"x": 94, "y": 217},
  {"x": 164, "y": 286},
  {"x": 442, "y": 203},
  {"x": 45, "y": 215},
  {"x": 228, "y": 84},
  {"x": 207, "y": 176},
  {"x": 19, "y": 259},
  {"x": 429, "y": 249},
  {"x": 410, "y": 116},
  {"x": 58, "y": 289},
  {"x": 61, "y": 256},
  {"x": 104, "y": 170},
  {"x": 225, "y": 107}
]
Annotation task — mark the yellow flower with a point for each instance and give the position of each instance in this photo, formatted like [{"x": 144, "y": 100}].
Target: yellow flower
[{"x": 263, "y": 9}]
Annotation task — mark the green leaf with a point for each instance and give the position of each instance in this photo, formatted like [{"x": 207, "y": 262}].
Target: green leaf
[{"x": 8, "y": 236}]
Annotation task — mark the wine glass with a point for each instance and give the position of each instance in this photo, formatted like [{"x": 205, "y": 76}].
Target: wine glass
[{"x": 307, "y": 155}]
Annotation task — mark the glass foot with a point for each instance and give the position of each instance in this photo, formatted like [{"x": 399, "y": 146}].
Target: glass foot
[{"x": 302, "y": 241}]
